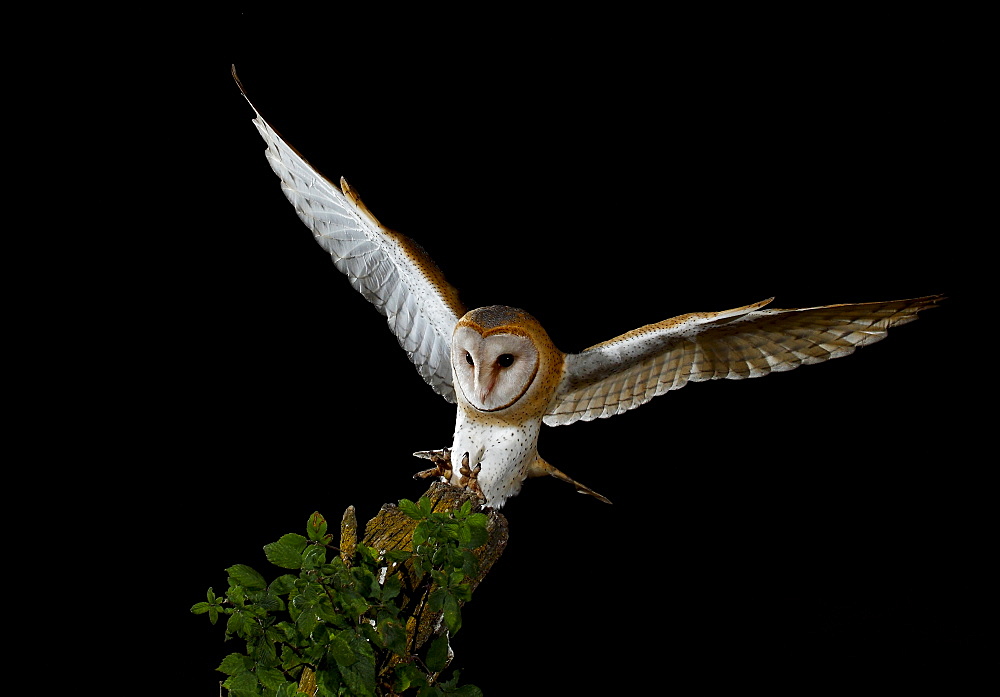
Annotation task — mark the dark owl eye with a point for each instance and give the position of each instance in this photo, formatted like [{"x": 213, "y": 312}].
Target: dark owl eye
[
  {"x": 505, "y": 360},
  {"x": 468, "y": 358}
]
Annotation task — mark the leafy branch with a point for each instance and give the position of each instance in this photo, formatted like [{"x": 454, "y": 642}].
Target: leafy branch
[{"x": 345, "y": 624}]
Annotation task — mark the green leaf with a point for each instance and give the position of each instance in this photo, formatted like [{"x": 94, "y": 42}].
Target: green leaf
[
  {"x": 236, "y": 594},
  {"x": 320, "y": 639},
  {"x": 398, "y": 555},
  {"x": 362, "y": 576},
  {"x": 437, "y": 654},
  {"x": 425, "y": 505},
  {"x": 289, "y": 689},
  {"x": 316, "y": 527},
  {"x": 212, "y": 610},
  {"x": 267, "y": 601},
  {"x": 354, "y": 605},
  {"x": 419, "y": 534},
  {"x": 467, "y": 691},
  {"x": 236, "y": 624},
  {"x": 392, "y": 587},
  {"x": 360, "y": 675},
  {"x": 328, "y": 682},
  {"x": 234, "y": 664},
  {"x": 462, "y": 591},
  {"x": 289, "y": 659},
  {"x": 410, "y": 509},
  {"x": 263, "y": 651},
  {"x": 282, "y": 585},
  {"x": 306, "y": 599},
  {"x": 306, "y": 622},
  {"x": 441, "y": 555},
  {"x": 470, "y": 565},
  {"x": 286, "y": 552},
  {"x": 244, "y": 624},
  {"x": 340, "y": 649},
  {"x": 271, "y": 678},
  {"x": 447, "y": 686},
  {"x": 275, "y": 635},
  {"x": 478, "y": 520},
  {"x": 452, "y": 613},
  {"x": 365, "y": 554},
  {"x": 407, "y": 676},
  {"x": 243, "y": 685},
  {"x": 246, "y": 577},
  {"x": 291, "y": 633},
  {"x": 313, "y": 558},
  {"x": 328, "y": 613},
  {"x": 435, "y": 601},
  {"x": 393, "y": 635},
  {"x": 474, "y": 537},
  {"x": 438, "y": 517}
]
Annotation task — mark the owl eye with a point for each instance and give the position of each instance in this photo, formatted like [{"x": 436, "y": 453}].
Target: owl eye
[
  {"x": 505, "y": 360},
  {"x": 468, "y": 358}
]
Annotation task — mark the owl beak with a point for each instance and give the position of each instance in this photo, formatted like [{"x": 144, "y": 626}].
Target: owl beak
[{"x": 486, "y": 380}]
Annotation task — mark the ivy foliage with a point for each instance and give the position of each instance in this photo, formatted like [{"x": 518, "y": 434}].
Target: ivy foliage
[{"x": 345, "y": 622}]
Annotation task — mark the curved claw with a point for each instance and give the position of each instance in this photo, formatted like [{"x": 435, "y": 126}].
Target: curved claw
[
  {"x": 470, "y": 477},
  {"x": 442, "y": 464}
]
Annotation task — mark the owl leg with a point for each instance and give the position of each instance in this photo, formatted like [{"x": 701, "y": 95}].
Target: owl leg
[
  {"x": 442, "y": 464},
  {"x": 540, "y": 468},
  {"x": 470, "y": 477}
]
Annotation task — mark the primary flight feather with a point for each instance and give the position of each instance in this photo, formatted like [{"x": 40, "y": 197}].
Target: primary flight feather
[{"x": 501, "y": 368}]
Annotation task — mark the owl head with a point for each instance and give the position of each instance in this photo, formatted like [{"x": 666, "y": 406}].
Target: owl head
[{"x": 503, "y": 361}]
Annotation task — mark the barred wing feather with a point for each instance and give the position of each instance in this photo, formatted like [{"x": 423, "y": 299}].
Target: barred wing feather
[{"x": 746, "y": 342}]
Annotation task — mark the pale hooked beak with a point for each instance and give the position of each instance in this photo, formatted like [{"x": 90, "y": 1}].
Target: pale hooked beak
[{"x": 486, "y": 380}]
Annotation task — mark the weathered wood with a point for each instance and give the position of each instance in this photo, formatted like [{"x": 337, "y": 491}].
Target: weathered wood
[{"x": 348, "y": 535}]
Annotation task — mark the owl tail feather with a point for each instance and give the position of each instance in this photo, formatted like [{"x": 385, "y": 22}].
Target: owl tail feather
[{"x": 540, "y": 468}]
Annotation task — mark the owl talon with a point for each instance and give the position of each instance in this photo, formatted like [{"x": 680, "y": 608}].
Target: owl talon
[
  {"x": 442, "y": 464},
  {"x": 470, "y": 477}
]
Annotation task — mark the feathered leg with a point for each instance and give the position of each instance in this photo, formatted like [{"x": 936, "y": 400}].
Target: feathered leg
[{"x": 540, "y": 468}]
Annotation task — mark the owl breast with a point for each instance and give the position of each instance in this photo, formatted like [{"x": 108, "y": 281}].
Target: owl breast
[{"x": 505, "y": 452}]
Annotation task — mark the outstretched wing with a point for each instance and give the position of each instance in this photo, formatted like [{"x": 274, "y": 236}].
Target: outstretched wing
[
  {"x": 389, "y": 269},
  {"x": 746, "y": 342}
]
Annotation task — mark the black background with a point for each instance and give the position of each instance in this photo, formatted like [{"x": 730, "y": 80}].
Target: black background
[{"x": 793, "y": 532}]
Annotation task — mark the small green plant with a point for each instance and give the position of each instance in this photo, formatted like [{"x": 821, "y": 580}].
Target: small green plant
[{"x": 341, "y": 625}]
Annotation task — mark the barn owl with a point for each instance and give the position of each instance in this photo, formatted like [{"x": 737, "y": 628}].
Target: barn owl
[{"x": 501, "y": 369}]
